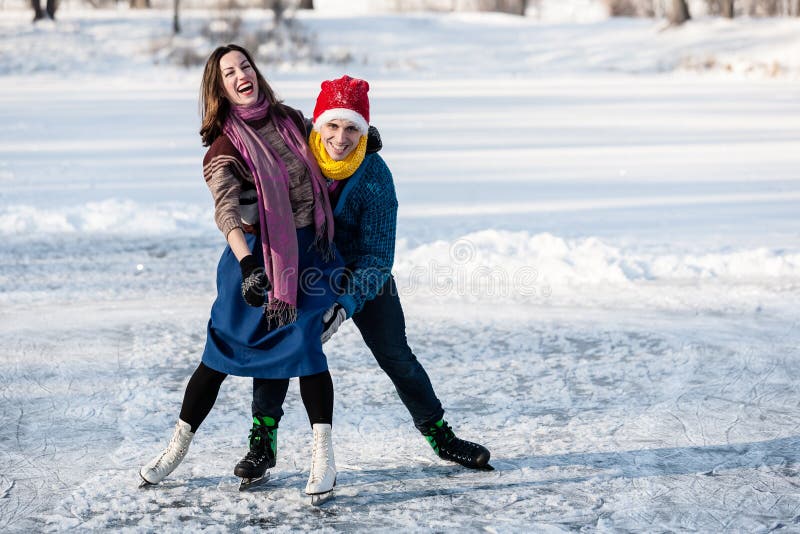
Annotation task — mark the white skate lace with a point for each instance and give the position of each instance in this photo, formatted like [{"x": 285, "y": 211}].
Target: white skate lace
[
  {"x": 177, "y": 451},
  {"x": 317, "y": 456}
]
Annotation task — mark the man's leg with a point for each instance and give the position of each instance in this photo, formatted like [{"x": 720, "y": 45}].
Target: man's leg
[
  {"x": 383, "y": 327},
  {"x": 268, "y": 397},
  {"x": 267, "y": 408}
]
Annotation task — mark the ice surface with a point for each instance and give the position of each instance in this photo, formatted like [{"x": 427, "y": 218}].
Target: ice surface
[{"x": 600, "y": 273}]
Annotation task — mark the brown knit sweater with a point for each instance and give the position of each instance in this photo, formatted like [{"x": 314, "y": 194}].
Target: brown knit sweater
[{"x": 231, "y": 182}]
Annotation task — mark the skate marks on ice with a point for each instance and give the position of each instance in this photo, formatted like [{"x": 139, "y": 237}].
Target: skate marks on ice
[
  {"x": 684, "y": 424},
  {"x": 65, "y": 391},
  {"x": 678, "y": 425},
  {"x": 50, "y": 418}
]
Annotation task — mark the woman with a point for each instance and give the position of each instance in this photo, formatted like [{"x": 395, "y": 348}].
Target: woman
[{"x": 272, "y": 206}]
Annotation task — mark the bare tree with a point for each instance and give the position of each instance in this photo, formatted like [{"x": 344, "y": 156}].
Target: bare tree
[
  {"x": 514, "y": 7},
  {"x": 306, "y": 4},
  {"x": 176, "y": 23},
  {"x": 278, "y": 8},
  {"x": 680, "y": 12},
  {"x": 518, "y": 8},
  {"x": 727, "y": 8},
  {"x": 139, "y": 4},
  {"x": 771, "y": 7}
]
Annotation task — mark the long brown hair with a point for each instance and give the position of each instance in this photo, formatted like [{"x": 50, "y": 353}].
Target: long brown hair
[{"x": 214, "y": 105}]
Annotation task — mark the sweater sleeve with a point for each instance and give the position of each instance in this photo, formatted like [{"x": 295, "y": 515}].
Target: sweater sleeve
[
  {"x": 223, "y": 171},
  {"x": 378, "y": 227}
]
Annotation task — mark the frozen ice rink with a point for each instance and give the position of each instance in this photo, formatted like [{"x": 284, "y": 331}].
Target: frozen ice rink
[{"x": 600, "y": 272}]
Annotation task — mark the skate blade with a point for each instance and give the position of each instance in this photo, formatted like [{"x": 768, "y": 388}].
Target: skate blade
[
  {"x": 318, "y": 499},
  {"x": 144, "y": 483},
  {"x": 250, "y": 483}
]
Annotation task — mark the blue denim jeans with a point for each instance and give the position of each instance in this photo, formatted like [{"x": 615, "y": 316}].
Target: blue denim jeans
[{"x": 383, "y": 328}]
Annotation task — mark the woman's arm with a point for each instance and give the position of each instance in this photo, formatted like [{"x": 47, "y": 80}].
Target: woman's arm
[{"x": 238, "y": 244}]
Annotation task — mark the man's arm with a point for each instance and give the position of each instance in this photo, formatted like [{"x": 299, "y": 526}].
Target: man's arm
[{"x": 377, "y": 231}]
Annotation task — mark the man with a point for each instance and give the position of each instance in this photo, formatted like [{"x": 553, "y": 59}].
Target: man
[{"x": 365, "y": 213}]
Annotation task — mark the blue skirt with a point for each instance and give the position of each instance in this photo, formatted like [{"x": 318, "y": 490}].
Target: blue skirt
[{"x": 239, "y": 339}]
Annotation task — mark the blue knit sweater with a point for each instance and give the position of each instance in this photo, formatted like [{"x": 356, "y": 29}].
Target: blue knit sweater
[{"x": 366, "y": 222}]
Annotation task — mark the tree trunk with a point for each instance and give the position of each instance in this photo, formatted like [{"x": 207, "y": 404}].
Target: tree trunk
[
  {"x": 139, "y": 4},
  {"x": 176, "y": 23},
  {"x": 278, "y": 7},
  {"x": 797, "y": 9},
  {"x": 727, "y": 9},
  {"x": 306, "y": 4},
  {"x": 680, "y": 12}
]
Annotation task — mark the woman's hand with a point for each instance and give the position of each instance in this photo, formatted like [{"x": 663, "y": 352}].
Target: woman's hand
[{"x": 255, "y": 283}]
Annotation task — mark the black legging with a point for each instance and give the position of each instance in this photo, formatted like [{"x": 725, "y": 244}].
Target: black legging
[{"x": 203, "y": 388}]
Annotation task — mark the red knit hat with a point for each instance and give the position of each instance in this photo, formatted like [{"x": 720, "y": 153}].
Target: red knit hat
[{"x": 343, "y": 98}]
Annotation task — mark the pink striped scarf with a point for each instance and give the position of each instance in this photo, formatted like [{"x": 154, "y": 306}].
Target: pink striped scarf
[{"x": 278, "y": 234}]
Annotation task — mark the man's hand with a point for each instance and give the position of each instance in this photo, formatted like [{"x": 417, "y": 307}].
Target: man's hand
[{"x": 332, "y": 320}]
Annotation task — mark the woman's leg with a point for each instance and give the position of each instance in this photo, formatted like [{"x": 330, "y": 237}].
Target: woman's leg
[
  {"x": 317, "y": 393},
  {"x": 201, "y": 392}
]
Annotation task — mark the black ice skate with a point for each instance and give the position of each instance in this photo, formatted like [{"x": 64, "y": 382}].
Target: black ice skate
[
  {"x": 449, "y": 447},
  {"x": 252, "y": 469}
]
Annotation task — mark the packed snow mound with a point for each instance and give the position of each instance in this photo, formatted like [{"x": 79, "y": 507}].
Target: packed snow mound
[
  {"x": 480, "y": 258},
  {"x": 112, "y": 216},
  {"x": 496, "y": 268},
  {"x": 556, "y": 261}
]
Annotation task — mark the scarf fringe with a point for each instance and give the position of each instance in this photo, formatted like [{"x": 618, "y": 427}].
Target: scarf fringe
[
  {"x": 277, "y": 224},
  {"x": 324, "y": 247},
  {"x": 280, "y": 313}
]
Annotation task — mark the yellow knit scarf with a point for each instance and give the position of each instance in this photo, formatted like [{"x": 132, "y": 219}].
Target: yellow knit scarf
[{"x": 337, "y": 170}]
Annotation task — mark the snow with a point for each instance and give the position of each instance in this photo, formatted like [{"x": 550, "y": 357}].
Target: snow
[{"x": 598, "y": 256}]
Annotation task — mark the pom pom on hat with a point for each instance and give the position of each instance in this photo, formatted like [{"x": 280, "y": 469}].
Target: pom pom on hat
[{"x": 344, "y": 98}]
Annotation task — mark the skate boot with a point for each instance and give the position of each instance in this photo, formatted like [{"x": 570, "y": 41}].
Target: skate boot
[
  {"x": 322, "y": 477},
  {"x": 162, "y": 465},
  {"x": 263, "y": 449},
  {"x": 449, "y": 447}
]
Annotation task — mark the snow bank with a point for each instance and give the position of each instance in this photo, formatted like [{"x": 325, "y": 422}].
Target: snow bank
[
  {"x": 115, "y": 217},
  {"x": 419, "y": 44},
  {"x": 524, "y": 266},
  {"x": 505, "y": 45},
  {"x": 484, "y": 267},
  {"x": 529, "y": 264}
]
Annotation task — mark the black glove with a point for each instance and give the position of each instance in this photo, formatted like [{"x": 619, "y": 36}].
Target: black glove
[{"x": 255, "y": 283}]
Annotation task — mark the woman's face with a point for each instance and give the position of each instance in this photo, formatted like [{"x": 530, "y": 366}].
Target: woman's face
[
  {"x": 340, "y": 137},
  {"x": 238, "y": 79}
]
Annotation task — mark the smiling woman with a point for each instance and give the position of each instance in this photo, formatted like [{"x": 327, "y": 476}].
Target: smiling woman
[
  {"x": 271, "y": 205},
  {"x": 238, "y": 79}
]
